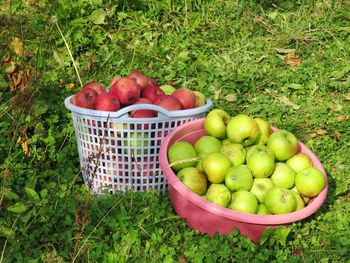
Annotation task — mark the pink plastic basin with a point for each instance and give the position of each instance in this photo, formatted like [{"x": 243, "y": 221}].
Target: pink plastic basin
[{"x": 210, "y": 218}]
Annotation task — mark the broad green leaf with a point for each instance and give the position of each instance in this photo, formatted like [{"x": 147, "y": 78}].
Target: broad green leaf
[
  {"x": 281, "y": 234},
  {"x": 273, "y": 15},
  {"x": 58, "y": 59},
  {"x": 40, "y": 108},
  {"x": 3, "y": 82},
  {"x": 266, "y": 234},
  {"x": 98, "y": 16},
  {"x": 12, "y": 195},
  {"x": 18, "y": 207},
  {"x": 295, "y": 86},
  {"x": 6, "y": 232},
  {"x": 122, "y": 16},
  {"x": 31, "y": 194}
]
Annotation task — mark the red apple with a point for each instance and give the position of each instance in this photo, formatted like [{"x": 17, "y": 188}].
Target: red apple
[
  {"x": 152, "y": 81},
  {"x": 98, "y": 87},
  {"x": 107, "y": 102},
  {"x": 127, "y": 91},
  {"x": 153, "y": 93},
  {"x": 115, "y": 80},
  {"x": 85, "y": 98},
  {"x": 141, "y": 79},
  {"x": 169, "y": 102},
  {"x": 145, "y": 113},
  {"x": 186, "y": 97}
]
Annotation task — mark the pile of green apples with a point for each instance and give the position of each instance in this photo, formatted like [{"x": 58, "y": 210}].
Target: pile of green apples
[{"x": 244, "y": 165}]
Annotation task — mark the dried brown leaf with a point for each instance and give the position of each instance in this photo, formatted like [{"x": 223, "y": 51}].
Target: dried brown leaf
[
  {"x": 19, "y": 78},
  {"x": 23, "y": 140},
  {"x": 307, "y": 122},
  {"x": 284, "y": 100},
  {"x": 335, "y": 107},
  {"x": 292, "y": 59},
  {"x": 342, "y": 118},
  {"x": 337, "y": 134},
  {"x": 313, "y": 134},
  {"x": 18, "y": 46},
  {"x": 6, "y": 58},
  {"x": 217, "y": 94},
  {"x": 11, "y": 68},
  {"x": 230, "y": 97},
  {"x": 321, "y": 132},
  {"x": 28, "y": 75},
  {"x": 11, "y": 84}
]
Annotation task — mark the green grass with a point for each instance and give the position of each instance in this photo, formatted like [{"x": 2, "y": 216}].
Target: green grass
[{"x": 233, "y": 52}]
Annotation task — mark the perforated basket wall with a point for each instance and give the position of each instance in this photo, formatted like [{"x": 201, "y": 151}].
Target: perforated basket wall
[{"x": 119, "y": 153}]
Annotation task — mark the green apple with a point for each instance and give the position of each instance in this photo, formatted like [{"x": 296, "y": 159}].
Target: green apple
[
  {"x": 199, "y": 164},
  {"x": 260, "y": 187},
  {"x": 261, "y": 164},
  {"x": 244, "y": 201},
  {"x": 235, "y": 152},
  {"x": 218, "y": 194},
  {"x": 262, "y": 210},
  {"x": 310, "y": 181},
  {"x": 299, "y": 201},
  {"x": 305, "y": 199},
  {"x": 265, "y": 130},
  {"x": 226, "y": 141},
  {"x": 279, "y": 200},
  {"x": 207, "y": 144},
  {"x": 283, "y": 143},
  {"x": 283, "y": 175},
  {"x": 299, "y": 162},
  {"x": 260, "y": 147},
  {"x": 194, "y": 179},
  {"x": 199, "y": 99},
  {"x": 168, "y": 89},
  {"x": 243, "y": 129},
  {"x": 182, "y": 154},
  {"x": 238, "y": 178},
  {"x": 137, "y": 143},
  {"x": 215, "y": 123},
  {"x": 215, "y": 165}
]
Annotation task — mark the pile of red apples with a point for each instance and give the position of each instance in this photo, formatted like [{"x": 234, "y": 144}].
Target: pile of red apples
[{"x": 136, "y": 88}]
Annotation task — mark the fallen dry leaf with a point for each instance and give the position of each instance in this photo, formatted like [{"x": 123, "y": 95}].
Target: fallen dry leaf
[
  {"x": 335, "y": 107},
  {"x": 313, "y": 134},
  {"x": 307, "y": 122},
  {"x": 11, "y": 68},
  {"x": 230, "y": 97},
  {"x": 6, "y": 58},
  {"x": 23, "y": 140},
  {"x": 18, "y": 46},
  {"x": 284, "y": 100},
  {"x": 318, "y": 132},
  {"x": 321, "y": 132},
  {"x": 292, "y": 59},
  {"x": 342, "y": 118},
  {"x": 217, "y": 94},
  {"x": 337, "y": 134}
]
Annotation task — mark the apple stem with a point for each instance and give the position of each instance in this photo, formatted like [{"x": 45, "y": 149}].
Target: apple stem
[{"x": 184, "y": 161}]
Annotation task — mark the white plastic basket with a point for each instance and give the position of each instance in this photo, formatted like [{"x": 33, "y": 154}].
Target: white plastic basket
[{"x": 119, "y": 153}]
